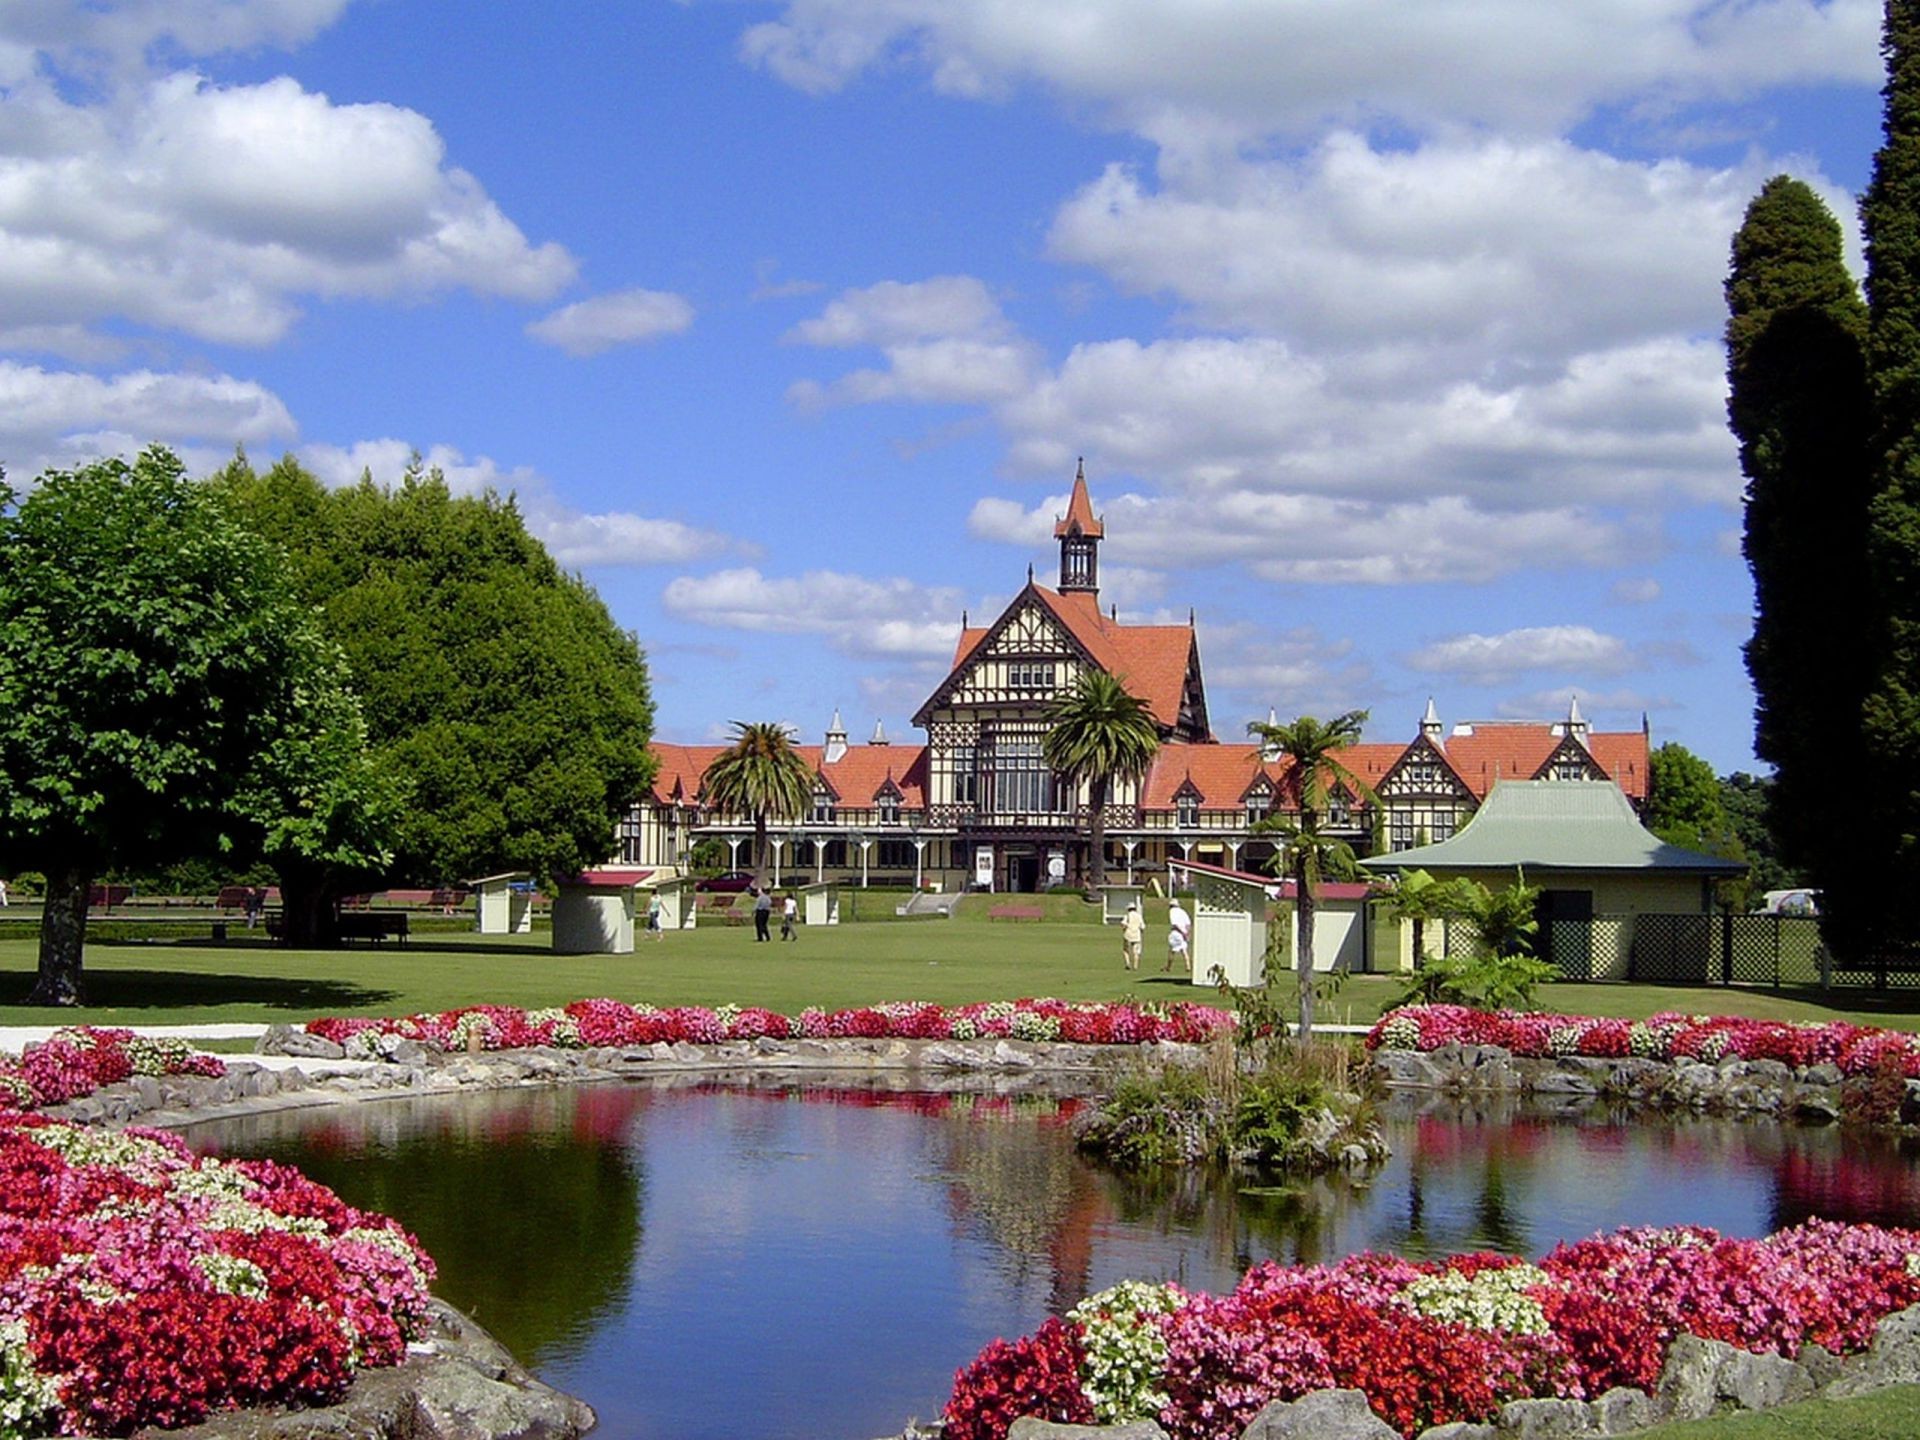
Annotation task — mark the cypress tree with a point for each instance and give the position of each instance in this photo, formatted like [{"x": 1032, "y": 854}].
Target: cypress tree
[
  {"x": 1890, "y": 214},
  {"x": 1798, "y": 401}
]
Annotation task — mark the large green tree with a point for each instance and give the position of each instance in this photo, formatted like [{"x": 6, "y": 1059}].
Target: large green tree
[
  {"x": 1099, "y": 732},
  {"x": 1799, "y": 404},
  {"x": 151, "y": 652},
  {"x": 1686, "y": 806},
  {"x": 1888, "y": 838},
  {"x": 494, "y": 684},
  {"x": 1311, "y": 749},
  {"x": 762, "y": 775},
  {"x": 1747, "y": 801}
]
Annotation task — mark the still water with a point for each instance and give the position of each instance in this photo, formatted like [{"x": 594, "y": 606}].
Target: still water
[{"x": 811, "y": 1261}]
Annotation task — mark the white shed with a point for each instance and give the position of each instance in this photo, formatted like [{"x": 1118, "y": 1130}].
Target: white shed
[
  {"x": 822, "y": 904},
  {"x": 677, "y": 897},
  {"x": 593, "y": 911},
  {"x": 1341, "y": 938},
  {"x": 1229, "y": 923},
  {"x": 1114, "y": 900},
  {"x": 503, "y": 904}
]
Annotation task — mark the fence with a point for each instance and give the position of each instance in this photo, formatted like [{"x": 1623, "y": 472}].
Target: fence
[{"x": 1770, "y": 950}]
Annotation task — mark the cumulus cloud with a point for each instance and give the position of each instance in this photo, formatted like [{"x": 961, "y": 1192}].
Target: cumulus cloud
[
  {"x": 1246, "y": 66},
  {"x": 577, "y": 539},
  {"x": 123, "y": 33},
  {"x": 62, "y": 418},
  {"x": 214, "y": 210},
  {"x": 1489, "y": 659},
  {"x": 624, "y": 317},
  {"x": 1298, "y": 671},
  {"x": 946, "y": 341},
  {"x": 1618, "y": 708},
  {"x": 892, "y": 618}
]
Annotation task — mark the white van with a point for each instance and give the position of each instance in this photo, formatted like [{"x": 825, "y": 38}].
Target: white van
[{"x": 1790, "y": 902}]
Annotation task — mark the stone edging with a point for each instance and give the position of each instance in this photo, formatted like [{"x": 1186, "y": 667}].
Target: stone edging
[{"x": 1732, "y": 1086}]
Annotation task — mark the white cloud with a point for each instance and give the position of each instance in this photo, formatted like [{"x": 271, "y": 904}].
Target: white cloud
[
  {"x": 1636, "y": 590},
  {"x": 1492, "y": 658},
  {"x": 946, "y": 341},
  {"x": 1620, "y": 708},
  {"x": 577, "y": 539},
  {"x": 1294, "y": 672},
  {"x": 624, "y": 317},
  {"x": 61, "y": 418},
  {"x": 81, "y": 30},
  {"x": 1234, "y": 67},
  {"x": 859, "y": 616},
  {"x": 214, "y": 210}
]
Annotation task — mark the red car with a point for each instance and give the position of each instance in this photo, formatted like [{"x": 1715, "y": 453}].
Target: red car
[{"x": 731, "y": 883}]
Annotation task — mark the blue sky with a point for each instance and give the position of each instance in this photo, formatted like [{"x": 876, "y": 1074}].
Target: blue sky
[{"x": 1389, "y": 334}]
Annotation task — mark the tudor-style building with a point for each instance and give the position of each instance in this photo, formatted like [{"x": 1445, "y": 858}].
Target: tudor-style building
[{"x": 978, "y": 805}]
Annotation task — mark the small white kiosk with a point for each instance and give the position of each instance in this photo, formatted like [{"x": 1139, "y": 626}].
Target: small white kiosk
[
  {"x": 593, "y": 911},
  {"x": 822, "y": 904},
  {"x": 503, "y": 904},
  {"x": 1229, "y": 923},
  {"x": 676, "y": 894},
  {"x": 1114, "y": 900}
]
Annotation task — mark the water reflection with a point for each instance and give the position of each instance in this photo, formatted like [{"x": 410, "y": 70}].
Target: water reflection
[{"x": 815, "y": 1259}]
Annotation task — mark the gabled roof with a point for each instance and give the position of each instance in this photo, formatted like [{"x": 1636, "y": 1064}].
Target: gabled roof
[
  {"x": 1556, "y": 825},
  {"x": 1508, "y": 750},
  {"x": 1151, "y": 660},
  {"x": 854, "y": 779},
  {"x": 1221, "y": 774}
]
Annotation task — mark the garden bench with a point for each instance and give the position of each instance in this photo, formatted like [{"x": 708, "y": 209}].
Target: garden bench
[
  {"x": 1017, "y": 912},
  {"x": 374, "y": 926}
]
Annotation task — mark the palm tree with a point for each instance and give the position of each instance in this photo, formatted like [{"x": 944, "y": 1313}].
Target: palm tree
[
  {"x": 1311, "y": 749},
  {"x": 1099, "y": 732},
  {"x": 1417, "y": 897},
  {"x": 762, "y": 775}
]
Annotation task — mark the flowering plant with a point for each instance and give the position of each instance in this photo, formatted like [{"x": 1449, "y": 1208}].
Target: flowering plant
[
  {"x": 1452, "y": 1340},
  {"x": 1853, "y": 1049},
  {"x": 77, "y": 1061},
  {"x": 611, "y": 1023},
  {"x": 142, "y": 1286}
]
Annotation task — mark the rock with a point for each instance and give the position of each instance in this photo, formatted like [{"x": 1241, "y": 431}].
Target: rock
[
  {"x": 1768, "y": 1072},
  {"x": 1822, "y": 1074},
  {"x": 1816, "y": 1105},
  {"x": 1760, "y": 1382},
  {"x": 1031, "y": 1427},
  {"x": 407, "y": 1052},
  {"x": 288, "y": 1040},
  {"x": 1822, "y": 1364},
  {"x": 1458, "y": 1430},
  {"x": 1408, "y": 1068},
  {"x": 1623, "y": 1410},
  {"x": 1892, "y": 1359},
  {"x": 1322, "y": 1415},
  {"x": 1560, "y": 1082},
  {"x": 1689, "y": 1382},
  {"x": 1544, "y": 1419},
  {"x": 1008, "y": 1058}
]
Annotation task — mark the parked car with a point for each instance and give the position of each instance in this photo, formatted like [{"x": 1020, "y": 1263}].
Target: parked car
[
  {"x": 1790, "y": 902},
  {"x": 731, "y": 883}
]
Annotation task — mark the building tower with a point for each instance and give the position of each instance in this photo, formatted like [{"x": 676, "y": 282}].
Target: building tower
[{"x": 1079, "y": 534}]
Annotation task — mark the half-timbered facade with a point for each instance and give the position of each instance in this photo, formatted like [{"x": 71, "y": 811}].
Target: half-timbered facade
[{"x": 978, "y": 805}]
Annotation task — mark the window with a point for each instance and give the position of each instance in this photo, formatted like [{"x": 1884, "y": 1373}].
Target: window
[
  {"x": 1259, "y": 809},
  {"x": 834, "y": 853},
  {"x": 1421, "y": 775},
  {"x": 1186, "y": 811},
  {"x": 887, "y": 810},
  {"x": 1030, "y": 674},
  {"x": 1340, "y": 809},
  {"x": 894, "y": 855},
  {"x": 822, "y": 813},
  {"x": 966, "y": 780},
  {"x": 1401, "y": 828},
  {"x": 1022, "y": 781},
  {"x": 1567, "y": 766}
]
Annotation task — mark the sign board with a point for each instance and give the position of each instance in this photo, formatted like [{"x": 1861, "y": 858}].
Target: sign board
[
  {"x": 983, "y": 867},
  {"x": 1056, "y": 866}
]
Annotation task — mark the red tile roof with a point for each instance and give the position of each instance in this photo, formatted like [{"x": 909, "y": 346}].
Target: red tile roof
[
  {"x": 1508, "y": 750},
  {"x": 856, "y": 777},
  {"x": 1079, "y": 517},
  {"x": 1222, "y": 773}
]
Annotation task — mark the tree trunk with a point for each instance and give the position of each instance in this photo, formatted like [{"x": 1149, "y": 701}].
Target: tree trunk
[
  {"x": 1303, "y": 962},
  {"x": 1097, "y": 834},
  {"x": 760, "y": 850},
  {"x": 1419, "y": 942},
  {"x": 63, "y": 935},
  {"x": 309, "y": 908}
]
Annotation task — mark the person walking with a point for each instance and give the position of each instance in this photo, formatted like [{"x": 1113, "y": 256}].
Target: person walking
[
  {"x": 762, "y": 914},
  {"x": 1179, "y": 936},
  {"x": 1133, "y": 930},
  {"x": 654, "y": 931},
  {"x": 789, "y": 918}
]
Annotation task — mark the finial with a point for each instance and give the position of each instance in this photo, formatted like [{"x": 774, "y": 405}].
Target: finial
[
  {"x": 1080, "y": 473},
  {"x": 963, "y": 617},
  {"x": 1189, "y": 617},
  {"x": 1029, "y": 572},
  {"x": 1113, "y": 612}
]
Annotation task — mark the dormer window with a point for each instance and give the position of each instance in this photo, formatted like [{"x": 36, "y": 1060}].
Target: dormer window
[
  {"x": 1186, "y": 812},
  {"x": 1340, "y": 808},
  {"x": 1259, "y": 807},
  {"x": 1030, "y": 675},
  {"x": 887, "y": 809},
  {"x": 822, "y": 812},
  {"x": 1568, "y": 767}
]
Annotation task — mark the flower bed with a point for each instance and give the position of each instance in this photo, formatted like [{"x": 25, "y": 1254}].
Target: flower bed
[
  {"x": 1439, "y": 1341},
  {"x": 76, "y": 1062},
  {"x": 141, "y": 1286},
  {"x": 1851, "y": 1049},
  {"x": 594, "y": 1023}
]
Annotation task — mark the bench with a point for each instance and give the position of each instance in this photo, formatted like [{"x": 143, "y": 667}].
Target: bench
[
  {"x": 1017, "y": 912},
  {"x": 374, "y": 926}
]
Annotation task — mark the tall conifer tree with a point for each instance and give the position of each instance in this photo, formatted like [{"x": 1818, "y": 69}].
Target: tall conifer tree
[
  {"x": 1798, "y": 402},
  {"x": 1889, "y": 846}
]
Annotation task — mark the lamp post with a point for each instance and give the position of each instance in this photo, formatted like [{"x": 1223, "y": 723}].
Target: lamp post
[
  {"x": 860, "y": 838},
  {"x": 919, "y": 848}
]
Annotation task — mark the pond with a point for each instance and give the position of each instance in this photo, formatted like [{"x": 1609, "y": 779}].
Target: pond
[{"x": 813, "y": 1260}]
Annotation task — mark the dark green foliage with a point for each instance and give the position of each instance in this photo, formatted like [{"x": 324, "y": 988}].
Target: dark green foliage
[
  {"x": 1747, "y": 801},
  {"x": 1888, "y": 840},
  {"x": 1800, "y": 405},
  {"x": 1500, "y": 970},
  {"x": 759, "y": 774},
  {"x": 496, "y": 684},
  {"x": 1169, "y": 1116},
  {"x": 151, "y": 652}
]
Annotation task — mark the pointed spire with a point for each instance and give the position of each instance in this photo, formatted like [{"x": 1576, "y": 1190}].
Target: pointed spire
[
  {"x": 1079, "y": 518},
  {"x": 836, "y": 745},
  {"x": 880, "y": 738},
  {"x": 1430, "y": 726}
]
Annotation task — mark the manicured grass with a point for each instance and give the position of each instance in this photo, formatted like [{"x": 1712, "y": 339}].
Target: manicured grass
[
  {"x": 1892, "y": 1414},
  {"x": 968, "y": 958}
]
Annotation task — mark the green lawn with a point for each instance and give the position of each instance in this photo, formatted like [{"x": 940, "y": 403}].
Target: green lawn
[
  {"x": 1892, "y": 1414},
  {"x": 174, "y": 981}
]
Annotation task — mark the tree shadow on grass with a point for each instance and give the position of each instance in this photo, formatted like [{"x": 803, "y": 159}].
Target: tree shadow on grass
[{"x": 173, "y": 990}]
